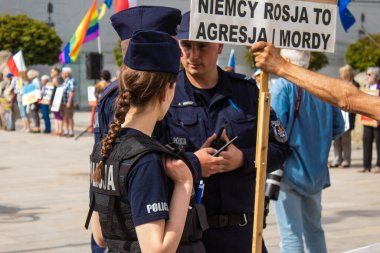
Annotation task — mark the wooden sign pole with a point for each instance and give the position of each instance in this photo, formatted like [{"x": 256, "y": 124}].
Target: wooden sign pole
[{"x": 261, "y": 162}]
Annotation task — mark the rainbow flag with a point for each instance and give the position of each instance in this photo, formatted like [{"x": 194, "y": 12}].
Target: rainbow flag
[{"x": 87, "y": 30}]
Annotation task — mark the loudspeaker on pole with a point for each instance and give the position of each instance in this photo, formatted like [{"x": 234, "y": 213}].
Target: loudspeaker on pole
[{"x": 94, "y": 65}]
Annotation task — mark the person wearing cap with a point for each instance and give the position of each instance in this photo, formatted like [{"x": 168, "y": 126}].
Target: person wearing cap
[
  {"x": 207, "y": 99},
  {"x": 156, "y": 18},
  {"x": 152, "y": 201},
  {"x": 69, "y": 87}
]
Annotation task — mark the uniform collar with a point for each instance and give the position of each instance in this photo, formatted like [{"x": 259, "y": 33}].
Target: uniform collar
[{"x": 187, "y": 94}]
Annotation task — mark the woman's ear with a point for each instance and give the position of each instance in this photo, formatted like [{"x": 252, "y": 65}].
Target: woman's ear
[{"x": 164, "y": 93}]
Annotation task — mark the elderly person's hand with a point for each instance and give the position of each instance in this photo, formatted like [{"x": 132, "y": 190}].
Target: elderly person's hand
[{"x": 268, "y": 58}]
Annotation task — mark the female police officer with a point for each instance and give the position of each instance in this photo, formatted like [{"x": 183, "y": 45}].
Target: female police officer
[{"x": 143, "y": 204}]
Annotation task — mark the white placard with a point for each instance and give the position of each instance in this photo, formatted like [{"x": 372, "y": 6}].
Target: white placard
[
  {"x": 57, "y": 99},
  {"x": 91, "y": 94},
  {"x": 287, "y": 24},
  {"x": 48, "y": 94}
]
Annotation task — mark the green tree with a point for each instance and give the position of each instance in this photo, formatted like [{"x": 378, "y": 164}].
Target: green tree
[
  {"x": 364, "y": 53},
  {"x": 39, "y": 43},
  {"x": 317, "y": 61},
  {"x": 117, "y": 53}
]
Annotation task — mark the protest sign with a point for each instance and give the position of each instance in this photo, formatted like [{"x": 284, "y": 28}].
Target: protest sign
[
  {"x": 92, "y": 101},
  {"x": 48, "y": 94},
  {"x": 57, "y": 99},
  {"x": 30, "y": 94},
  {"x": 5, "y": 104},
  {"x": 287, "y": 24}
]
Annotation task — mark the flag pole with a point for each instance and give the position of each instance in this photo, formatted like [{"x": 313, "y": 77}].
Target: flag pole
[
  {"x": 99, "y": 45},
  {"x": 261, "y": 162}
]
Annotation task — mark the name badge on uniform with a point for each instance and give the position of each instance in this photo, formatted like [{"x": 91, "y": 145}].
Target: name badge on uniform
[
  {"x": 181, "y": 141},
  {"x": 279, "y": 131}
]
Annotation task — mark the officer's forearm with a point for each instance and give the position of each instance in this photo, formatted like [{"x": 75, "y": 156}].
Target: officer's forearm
[
  {"x": 196, "y": 164},
  {"x": 277, "y": 154}
]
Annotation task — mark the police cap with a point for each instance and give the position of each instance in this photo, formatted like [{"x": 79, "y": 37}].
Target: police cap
[
  {"x": 153, "y": 51},
  {"x": 183, "y": 33},
  {"x": 156, "y": 18}
]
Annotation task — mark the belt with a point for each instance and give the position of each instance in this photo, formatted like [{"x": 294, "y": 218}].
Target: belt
[{"x": 229, "y": 220}]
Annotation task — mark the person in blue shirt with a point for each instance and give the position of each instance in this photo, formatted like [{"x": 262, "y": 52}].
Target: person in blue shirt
[
  {"x": 153, "y": 200},
  {"x": 311, "y": 126},
  {"x": 206, "y": 99}
]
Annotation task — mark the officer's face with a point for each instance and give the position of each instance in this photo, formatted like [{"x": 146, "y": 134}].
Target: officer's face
[{"x": 199, "y": 58}]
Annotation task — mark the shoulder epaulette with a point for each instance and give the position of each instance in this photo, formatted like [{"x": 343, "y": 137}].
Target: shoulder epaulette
[{"x": 242, "y": 77}]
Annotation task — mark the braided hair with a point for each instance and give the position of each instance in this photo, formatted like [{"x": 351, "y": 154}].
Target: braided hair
[{"x": 136, "y": 88}]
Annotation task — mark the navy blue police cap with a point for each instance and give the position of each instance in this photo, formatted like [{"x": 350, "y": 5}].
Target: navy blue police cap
[
  {"x": 153, "y": 51},
  {"x": 156, "y": 18},
  {"x": 183, "y": 33}
]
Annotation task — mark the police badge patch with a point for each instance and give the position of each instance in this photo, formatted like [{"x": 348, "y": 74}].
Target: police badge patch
[{"x": 279, "y": 131}]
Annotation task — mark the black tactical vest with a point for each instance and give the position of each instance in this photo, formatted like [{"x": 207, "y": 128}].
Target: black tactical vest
[{"x": 110, "y": 196}]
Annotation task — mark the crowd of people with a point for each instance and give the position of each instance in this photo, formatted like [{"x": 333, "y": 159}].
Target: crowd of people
[{"x": 40, "y": 101}]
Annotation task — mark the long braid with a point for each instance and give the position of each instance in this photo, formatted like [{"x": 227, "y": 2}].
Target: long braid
[
  {"x": 136, "y": 88},
  {"x": 122, "y": 107}
]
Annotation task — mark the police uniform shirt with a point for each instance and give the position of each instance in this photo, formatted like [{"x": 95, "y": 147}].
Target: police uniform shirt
[
  {"x": 149, "y": 189},
  {"x": 104, "y": 112},
  {"x": 190, "y": 121}
]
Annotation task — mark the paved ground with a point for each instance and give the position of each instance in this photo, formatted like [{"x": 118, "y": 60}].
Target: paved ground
[{"x": 44, "y": 199}]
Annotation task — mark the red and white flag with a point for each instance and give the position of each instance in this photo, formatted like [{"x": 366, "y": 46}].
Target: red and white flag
[
  {"x": 16, "y": 64},
  {"x": 121, "y": 5}
]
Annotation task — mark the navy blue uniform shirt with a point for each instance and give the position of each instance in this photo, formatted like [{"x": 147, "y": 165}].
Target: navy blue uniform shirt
[
  {"x": 193, "y": 117},
  {"x": 104, "y": 115},
  {"x": 149, "y": 189}
]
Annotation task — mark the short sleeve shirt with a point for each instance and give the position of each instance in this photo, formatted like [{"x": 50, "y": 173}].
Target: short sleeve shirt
[
  {"x": 68, "y": 86},
  {"x": 149, "y": 189}
]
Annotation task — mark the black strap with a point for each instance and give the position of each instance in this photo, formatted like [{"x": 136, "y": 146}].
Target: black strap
[
  {"x": 229, "y": 220},
  {"x": 111, "y": 205},
  {"x": 90, "y": 211},
  {"x": 120, "y": 218}
]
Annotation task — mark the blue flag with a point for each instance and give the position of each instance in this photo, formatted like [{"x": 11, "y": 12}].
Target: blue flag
[
  {"x": 108, "y": 3},
  {"x": 346, "y": 17},
  {"x": 231, "y": 61}
]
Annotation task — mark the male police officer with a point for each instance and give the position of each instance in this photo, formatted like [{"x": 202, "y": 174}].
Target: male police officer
[
  {"x": 207, "y": 98},
  {"x": 158, "y": 18}
]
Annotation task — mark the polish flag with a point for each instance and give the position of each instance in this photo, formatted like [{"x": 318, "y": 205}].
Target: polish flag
[
  {"x": 121, "y": 5},
  {"x": 16, "y": 64}
]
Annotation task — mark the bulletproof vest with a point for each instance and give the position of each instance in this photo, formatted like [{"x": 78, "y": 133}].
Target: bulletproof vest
[{"x": 110, "y": 195}]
